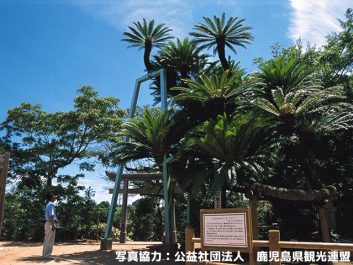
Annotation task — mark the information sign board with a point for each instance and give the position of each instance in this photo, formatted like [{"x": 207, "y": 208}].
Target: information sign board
[{"x": 226, "y": 229}]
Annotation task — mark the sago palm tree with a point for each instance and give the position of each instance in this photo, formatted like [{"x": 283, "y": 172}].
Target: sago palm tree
[
  {"x": 305, "y": 115},
  {"x": 303, "y": 106},
  {"x": 181, "y": 59},
  {"x": 150, "y": 137},
  {"x": 219, "y": 34},
  {"x": 216, "y": 93},
  {"x": 284, "y": 73},
  {"x": 241, "y": 148},
  {"x": 182, "y": 56},
  {"x": 236, "y": 142},
  {"x": 219, "y": 152},
  {"x": 145, "y": 36},
  {"x": 302, "y": 109}
]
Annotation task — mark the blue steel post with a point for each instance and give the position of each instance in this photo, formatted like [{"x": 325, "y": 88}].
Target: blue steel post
[
  {"x": 112, "y": 207},
  {"x": 166, "y": 184},
  {"x": 119, "y": 172},
  {"x": 163, "y": 85},
  {"x": 166, "y": 179}
]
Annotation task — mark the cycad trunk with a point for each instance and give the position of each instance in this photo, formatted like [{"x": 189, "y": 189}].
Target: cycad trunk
[
  {"x": 146, "y": 56},
  {"x": 224, "y": 196},
  {"x": 307, "y": 158},
  {"x": 294, "y": 194},
  {"x": 222, "y": 54},
  {"x": 183, "y": 72},
  {"x": 305, "y": 153},
  {"x": 215, "y": 107}
]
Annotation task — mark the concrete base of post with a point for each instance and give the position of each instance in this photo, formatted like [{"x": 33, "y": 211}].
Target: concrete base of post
[{"x": 106, "y": 244}]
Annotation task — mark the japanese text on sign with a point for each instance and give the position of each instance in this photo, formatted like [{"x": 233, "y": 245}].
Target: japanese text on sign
[{"x": 225, "y": 229}]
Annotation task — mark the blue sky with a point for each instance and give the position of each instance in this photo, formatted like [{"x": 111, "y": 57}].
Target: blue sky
[{"x": 49, "y": 48}]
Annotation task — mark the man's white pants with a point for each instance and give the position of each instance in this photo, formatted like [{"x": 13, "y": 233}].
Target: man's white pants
[{"x": 49, "y": 238}]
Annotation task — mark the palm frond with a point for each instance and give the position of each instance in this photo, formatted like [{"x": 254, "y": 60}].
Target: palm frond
[
  {"x": 338, "y": 118},
  {"x": 149, "y": 137},
  {"x": 215, "y": 31},
  {"x": 146, "y": 32},
  {"x": 236, "y": 143},
  {"x": 210, "y": 87}
]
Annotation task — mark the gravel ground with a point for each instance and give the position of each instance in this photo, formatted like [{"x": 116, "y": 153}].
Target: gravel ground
[{"x": 15, "y": 253}]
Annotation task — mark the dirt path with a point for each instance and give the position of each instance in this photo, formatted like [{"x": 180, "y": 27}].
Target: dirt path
[{"x": 12, "y": 253}]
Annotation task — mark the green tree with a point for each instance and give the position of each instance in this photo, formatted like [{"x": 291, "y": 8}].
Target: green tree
[
  {"x": 333, "y": 62},
  {"x": 282, "y": 132},
  {"x": 41, "y": 143},
  {"x": 146, "y": 36},
  {"x": 219, "y": 34},
  {"x": 25, "y": 205},
  {"x": 283, "y": 73},
  {"x": 151, "y": 136},
  {"x": 181, "y": 59},
  {"x": 147, "y": 219},
  {"x": 238, "y": 145},
  {"x": 216, "y": 93},
  {"x": 336, "y": 58},
  {"x": 182, "y": 56},
  {"x": 302, "y": 108}
]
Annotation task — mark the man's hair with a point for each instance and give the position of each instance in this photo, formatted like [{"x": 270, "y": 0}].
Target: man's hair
[{"x": 49, "y": 195}]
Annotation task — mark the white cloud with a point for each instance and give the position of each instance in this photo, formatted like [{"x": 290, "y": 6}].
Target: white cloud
[
  {"x": 313, "y": 20},
  {"x": 226, "y": 2},
  {"x": 176, "y": 14}
]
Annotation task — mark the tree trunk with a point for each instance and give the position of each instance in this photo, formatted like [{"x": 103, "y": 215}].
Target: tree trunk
[
  {"x": 146, "y": 56},
  {"x": 50, "y": 177},
  {"x": 324, "y": 224},
  {"x": 224, "y": 196},
  {"x": 222, "y": 54},
  {"x": 49, "y": 182},
  {"x": 183, "y": 72},
  {"x": 4, "y": 163},
  {"x": 293, "y": 194},
  {"x": 308, "y": 161},
  {"x": 306, "y": 156}
]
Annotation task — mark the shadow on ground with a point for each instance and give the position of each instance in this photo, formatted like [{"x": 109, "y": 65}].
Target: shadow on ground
[
  {"x": 36, "y": 244},
  {"x": 22, "y": 244}
]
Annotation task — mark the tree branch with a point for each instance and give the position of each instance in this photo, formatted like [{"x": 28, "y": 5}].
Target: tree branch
[{"x": 328, "y": 192}]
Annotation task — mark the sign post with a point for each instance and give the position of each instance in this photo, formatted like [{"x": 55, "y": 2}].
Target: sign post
[
  {"x": 227, "y": 230},
  {"x": 218, "y": 200}
]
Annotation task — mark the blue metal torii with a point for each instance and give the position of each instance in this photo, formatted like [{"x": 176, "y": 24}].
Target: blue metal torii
[{"x": 166, "y": 179}]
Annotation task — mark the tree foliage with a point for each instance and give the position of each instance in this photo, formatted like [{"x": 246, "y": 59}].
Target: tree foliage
[
  {"x": 272, "y": 131},
  {"x": 219, "y": 34},
  {"x": 283, "y": 132},
  {"x": 147, "y": 36},
  {"x": 42, "y": 143},
  {"x": 80, "y": 217}
]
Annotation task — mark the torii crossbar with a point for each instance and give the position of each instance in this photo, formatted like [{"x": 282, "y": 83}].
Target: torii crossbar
[{"x": 166, "y": 180}]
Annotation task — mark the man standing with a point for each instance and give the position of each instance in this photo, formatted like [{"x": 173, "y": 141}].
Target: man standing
[{"x": 50, "y": 225}]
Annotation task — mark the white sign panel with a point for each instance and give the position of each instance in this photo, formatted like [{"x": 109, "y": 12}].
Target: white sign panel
[{"x": 225, "y": 229}]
